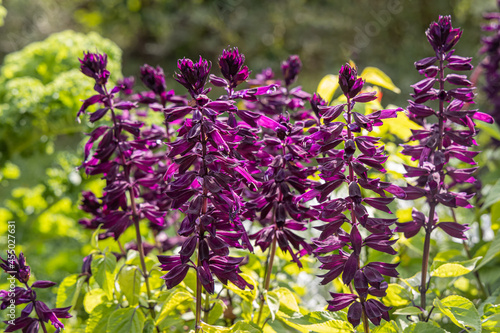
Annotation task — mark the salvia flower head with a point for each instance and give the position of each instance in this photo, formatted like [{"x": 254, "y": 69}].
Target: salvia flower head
[
  {"x": 231, "y": 65},
  {"x": 442, "y": 36},
  {"x": 193, "y": 75},
  {"x": 349, "y": 82},
  {"x": 153, "y": 78},
  {"x": 291, "y": 68},
  {"x": 127, "y": 85},
  {"x": 16, "y": 267},
  {"x": 94, "y": 66}
]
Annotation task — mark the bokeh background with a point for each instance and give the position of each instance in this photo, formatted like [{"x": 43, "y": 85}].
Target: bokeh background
[{"x": 41, "y": 87}]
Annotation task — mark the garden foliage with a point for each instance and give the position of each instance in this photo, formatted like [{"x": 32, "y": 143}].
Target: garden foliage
[{"x": 247, "y": 204}]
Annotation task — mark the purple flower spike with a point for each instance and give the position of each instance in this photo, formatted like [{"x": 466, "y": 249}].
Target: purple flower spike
[
  {"x": 154, "y": 79},
  {"x": 346, "y": 161},
  {"x": 291, "y": 69},
  {"x": 349, "y": 82},
  {"x": 94, "y": 65},
  {"x": 16, "y": 266},
  {"x": 193, "y": 75},
  {"x": 231, "y": 66},
  {"x": 442, "y": 36},
  {"x": 439, "y": 142}
]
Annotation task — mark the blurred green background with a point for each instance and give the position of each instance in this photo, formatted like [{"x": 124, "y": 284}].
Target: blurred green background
[{"x": 41, "y": 87}]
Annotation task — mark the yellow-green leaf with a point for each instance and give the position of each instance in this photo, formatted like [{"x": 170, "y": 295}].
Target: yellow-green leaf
[
  {"x": 93, "y": 298},
  {"x": 171, "y": 304},
  {"x": 460, "y": 310},
  {"x": 327, "y": 87},
  {"x": 375, "y": 76},
  {"x": 423, "y": 327},
  {"x": 69, "y": 290},
  {"x": 409, "y": 311},
  {"x": 453, "y": 269},
  {"x": 400, "y": 126},
  {"x": 396, "y": 295}
]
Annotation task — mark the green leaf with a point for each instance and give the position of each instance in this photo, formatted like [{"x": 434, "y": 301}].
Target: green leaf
[
  {"x": 129, "y": 280},
  {"x": 321, "y": 322},
  {"x": 127, "y": 320},
  {"x": 493, "y": 196},
  {"x": 453, "y": 269},
  {"x": 94, "y": 298},
  {"x": 492, "y": 129},
  {"x": 69, "y": 290},
  {"x": 375, "y": 76},
  {"x": 286, "y": 298},
  {"x": 134, "y": 259},
  {"x": 492, "y": 323},
  {"x": 273, "y": 303},
  {"x": 327, "y": 87},
  {"x": 103, "y": 266},
  {"x": 423, "y": 327},
  {"x": 171, "y": 303},
  {"x": 396, "y": 295},
  {"x": 98, "y": 319},
  {"x": 408, "y": 311},
  {"x": 387, "y": 327},
  {"x": 216, "y": 312},
  {"x": 461, "y": 311},
  {"x": 239, "y": 327},
  {"x": 149, "y": 326},
  {"x": 247, "y": 294},
  {"x": 492, "y": 252}
]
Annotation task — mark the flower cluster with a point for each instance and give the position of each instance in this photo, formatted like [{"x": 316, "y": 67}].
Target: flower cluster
[
  {"x": 350, "y": 166},
  {"x": 440, "y": 142},
  {"x": 17, "y": 268},
  {"x": 283, "y": 159},
  {"x": 208, "y": 174},
  {"x": 126, "y": 159},
  {"x": 491, "y": 63}
]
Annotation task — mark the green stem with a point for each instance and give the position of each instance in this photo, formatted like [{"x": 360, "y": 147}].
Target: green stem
[
  {"x": 206, "y": 310},
  {"x": 267, "y": 281}
]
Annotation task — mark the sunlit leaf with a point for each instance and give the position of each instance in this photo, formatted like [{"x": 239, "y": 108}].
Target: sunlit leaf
[
  {"x": 327, "y": 87},
  {"x": 460, "y": 310},
  {"x": 375, "y": 76},
  {"x": 423, "y": 327},
  {"x": 127, "y": 320},
  {"x": 396, "y": 296},
  {"x": 174, "y": 300},
  {"x": 453, "y": 269},
  {"x": 98, "y": 319},
  {"x": 69, "y": 290}
]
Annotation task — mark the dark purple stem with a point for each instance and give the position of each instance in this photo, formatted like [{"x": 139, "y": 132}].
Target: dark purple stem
[{"x": 135, "y": 215}]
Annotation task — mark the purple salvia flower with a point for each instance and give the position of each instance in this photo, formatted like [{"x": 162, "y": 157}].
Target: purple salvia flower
[
  {"x": 94, "y": 65},
  {"x": 154, "y": 79},
  {"x": 438, "y": 143},
  {"x": 231, "y": 66},
  {"x": 291, "y": 68},
  {"x": 193, "y": 75},
  {"x": 16, "y": 266},
  {"x": 359, "y": 154}
]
